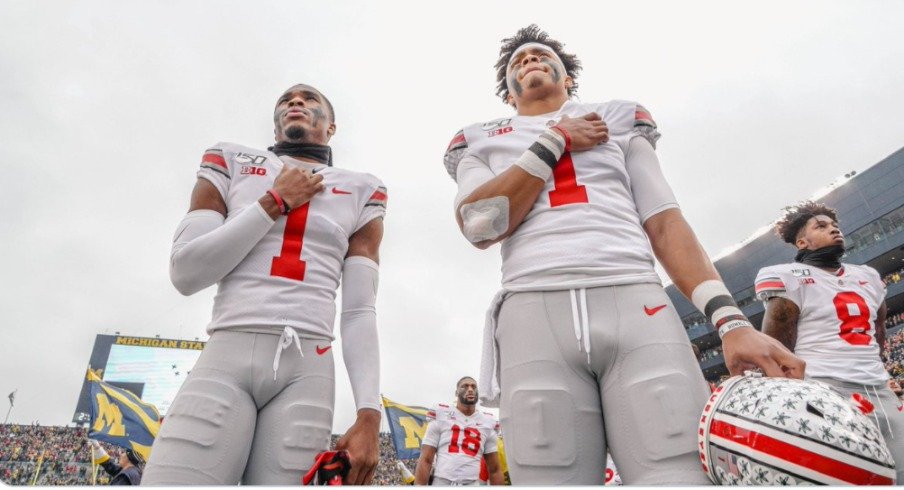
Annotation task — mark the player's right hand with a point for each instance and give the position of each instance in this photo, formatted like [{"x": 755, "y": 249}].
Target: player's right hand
[
  {"x": 586, "y": 131},
  {"x": 747, "y": 349},
  {"x": 297, "y": 185}
]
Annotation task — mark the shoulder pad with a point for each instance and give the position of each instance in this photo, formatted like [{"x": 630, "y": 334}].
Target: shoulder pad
[{"x": 454, "y": 153}]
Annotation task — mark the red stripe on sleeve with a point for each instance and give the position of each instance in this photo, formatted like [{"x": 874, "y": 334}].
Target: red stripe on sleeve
[
  {"x": 770, "y": 285},
  {"x": 214, "y": 159},
  {"x": 378, "y": 196},
  {"x": 456, "y": 140}
]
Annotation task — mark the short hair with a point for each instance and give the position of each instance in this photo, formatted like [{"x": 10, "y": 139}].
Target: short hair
[
  {"x": 458, "y": 383},
  {"x": 533, "y": 34},
  {"x": 797, "y": 216}
]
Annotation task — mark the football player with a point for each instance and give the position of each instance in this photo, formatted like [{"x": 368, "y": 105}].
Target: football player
[
  {"x": 275, "y": 229},
  {"x": 582, "y": 339},
  {"x": 459, "y": 438},
  {"x": 832, "y": 315}
]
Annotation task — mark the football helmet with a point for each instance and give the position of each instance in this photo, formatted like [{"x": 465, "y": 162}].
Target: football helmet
[{"x": 778, "y": 431}]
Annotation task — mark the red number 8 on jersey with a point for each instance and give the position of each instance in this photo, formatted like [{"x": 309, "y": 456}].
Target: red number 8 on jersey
[{"x": 854, "y": 315}]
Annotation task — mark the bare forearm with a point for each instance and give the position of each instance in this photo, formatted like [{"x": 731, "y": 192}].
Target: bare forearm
[
  {"x": 780, "y": 321},
  {"x": 881, "y": 315},
  {"x": 678, "y": 250},
  {"x": 422, "y": 472}
]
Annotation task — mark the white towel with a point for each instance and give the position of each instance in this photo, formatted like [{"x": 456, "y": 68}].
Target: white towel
[{"x": 488, "y": 386}]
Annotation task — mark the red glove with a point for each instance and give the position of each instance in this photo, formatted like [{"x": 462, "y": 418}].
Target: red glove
[{"x": 330, "y": 467}]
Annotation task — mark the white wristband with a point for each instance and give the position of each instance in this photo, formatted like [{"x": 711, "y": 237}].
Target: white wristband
[
  {"x": 715, "y": 302},
  {"x": 543, "y": 155}
]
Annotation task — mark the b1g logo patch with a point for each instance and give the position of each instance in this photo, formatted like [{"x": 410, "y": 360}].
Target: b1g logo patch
[
  {"x": 800, "y": 272},
  {"x": 246, "y": 159},
  {"x": 246, "y": 170},
  {"x": 500, "y": 131}
]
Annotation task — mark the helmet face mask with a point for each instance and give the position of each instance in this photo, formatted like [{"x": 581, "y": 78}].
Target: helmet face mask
[{"x": 778, "y": 431}]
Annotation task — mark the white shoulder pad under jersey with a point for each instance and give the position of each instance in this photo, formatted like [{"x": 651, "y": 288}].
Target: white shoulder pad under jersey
[
  {"x": 299, "y": 261},
  {"x": 626, "y": 120},
  {"x": 778, "y": 280}
]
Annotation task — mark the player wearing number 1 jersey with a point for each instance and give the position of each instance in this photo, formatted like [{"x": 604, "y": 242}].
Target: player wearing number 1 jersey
[
  {"x": 459, "y": 438},
  {"x": 832, "y": 315},
  {"x": 276, "y": 229},
  {"x": 582, "y": 347}
]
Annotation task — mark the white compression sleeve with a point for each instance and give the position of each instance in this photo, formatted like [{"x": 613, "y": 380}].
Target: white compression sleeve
[
  {"x": 651, "y": 192},
  {"x": 358, "y": 328},
  {"x": 206, "y": 248}
]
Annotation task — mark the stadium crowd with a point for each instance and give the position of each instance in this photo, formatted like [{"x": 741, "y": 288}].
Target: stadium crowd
[{"x": 67, "y": 457}]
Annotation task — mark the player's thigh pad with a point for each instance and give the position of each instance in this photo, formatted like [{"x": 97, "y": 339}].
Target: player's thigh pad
[
  {"x": 206, "y": 435},
  {"x": 296, "y": 423},
  {"x": 653, "y": 393},
  {"x": 550, "y": 407}
]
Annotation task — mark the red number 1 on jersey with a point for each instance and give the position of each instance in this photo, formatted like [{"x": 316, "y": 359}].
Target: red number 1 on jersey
[
  {"x": 567, "y": 190},
  {"x": 288, "y": 263}
]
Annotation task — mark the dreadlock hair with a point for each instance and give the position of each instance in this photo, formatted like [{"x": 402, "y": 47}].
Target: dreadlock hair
[
  {"x": 796, "y": 217},
  {"x": 533, "y": 34}
]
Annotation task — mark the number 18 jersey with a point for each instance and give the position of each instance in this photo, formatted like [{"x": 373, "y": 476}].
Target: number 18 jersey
[
  {"x": 460, "y": 441},
  {"x": 836, "y": 329},
  {"x": 290, "y": 277}
]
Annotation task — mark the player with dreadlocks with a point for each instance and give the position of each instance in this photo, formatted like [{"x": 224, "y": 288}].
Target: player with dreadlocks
[
  {"x": 832, "y": 315},
  {"x": 582, "y": 347}
]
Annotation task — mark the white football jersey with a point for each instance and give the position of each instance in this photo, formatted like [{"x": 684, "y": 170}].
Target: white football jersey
[
  {"x": 291, "y": 276},
  {"x": 460, "y": 441},
  {"x": 585, "y": 229},
  {"x": 837, "y": 323}
]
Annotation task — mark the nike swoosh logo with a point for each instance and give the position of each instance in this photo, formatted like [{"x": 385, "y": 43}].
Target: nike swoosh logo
[
  {"x": 652, "y": 311},
  {"x": 322, "y": 350},
  {"x": 863, "y": 283},
  {"x": 337, "y": 191}
]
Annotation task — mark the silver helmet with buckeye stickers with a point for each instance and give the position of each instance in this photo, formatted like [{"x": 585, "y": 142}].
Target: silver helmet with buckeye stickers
[{"x": 778, "y": 431}]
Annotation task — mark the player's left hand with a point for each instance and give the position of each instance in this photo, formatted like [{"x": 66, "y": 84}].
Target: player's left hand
[
  {"x": 746, "y": 349},
  {"x": 362, "y": 441}
]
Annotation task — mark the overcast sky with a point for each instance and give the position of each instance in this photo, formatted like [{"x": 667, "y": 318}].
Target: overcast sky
[{"x": 107, "y": 106}]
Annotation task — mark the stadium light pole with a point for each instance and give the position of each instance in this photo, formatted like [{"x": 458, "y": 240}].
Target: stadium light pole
[{"x": 12, "y": 397}]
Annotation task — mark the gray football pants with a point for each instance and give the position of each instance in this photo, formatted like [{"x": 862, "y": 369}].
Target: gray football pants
[
  {"x": 641, "y": 390},
  {"x": 232, "y": 422},
  {"x": 887, "y": 415}
]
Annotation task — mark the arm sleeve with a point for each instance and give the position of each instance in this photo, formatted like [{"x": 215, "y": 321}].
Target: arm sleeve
[
  {"x": 206, "y": 247},
  {"x": 431, "y": 437},
  {"x": 472, "y": 173},
  {"x": 358, "y": 327},
  {"x": 651, "y": 192}
]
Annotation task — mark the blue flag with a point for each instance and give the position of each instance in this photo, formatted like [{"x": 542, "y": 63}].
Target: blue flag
[
  {"x": 407, "y": 425},
  {"x": 121, "y": 418}
]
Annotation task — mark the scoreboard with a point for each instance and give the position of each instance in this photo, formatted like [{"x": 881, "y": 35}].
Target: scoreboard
[{"x": 151, "y": 368}]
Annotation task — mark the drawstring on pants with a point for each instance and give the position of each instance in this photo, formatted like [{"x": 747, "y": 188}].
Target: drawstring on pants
[
  {"x": 580, "y": 319},
  {"x": 285, "y": 341}
]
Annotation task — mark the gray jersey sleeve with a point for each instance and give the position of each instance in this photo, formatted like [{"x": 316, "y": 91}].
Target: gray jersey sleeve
[{"x": 652, "y": 194}]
